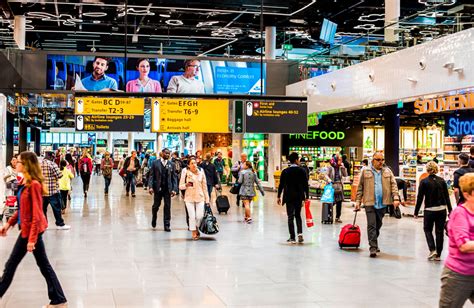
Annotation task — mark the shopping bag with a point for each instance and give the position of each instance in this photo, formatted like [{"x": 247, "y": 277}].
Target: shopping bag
[
  {"x": 209, "y": 223},
  {"x": 309, "y": 216},
  {"x": 328, "y": 194}
]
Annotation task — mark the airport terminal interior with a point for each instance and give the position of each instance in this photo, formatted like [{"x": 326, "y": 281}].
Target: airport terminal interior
[{"x": 310, "y": 153}]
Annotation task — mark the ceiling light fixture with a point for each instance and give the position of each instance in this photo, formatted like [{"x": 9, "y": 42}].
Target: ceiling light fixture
[
  {"x": 298, "y": 21},
  {"x": 165, "y": 15},
  {"x": 94, "y": 14},
  {"x": 174, "y": 22}
]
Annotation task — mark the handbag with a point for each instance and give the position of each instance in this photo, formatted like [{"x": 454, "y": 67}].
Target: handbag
[
  {"x": 209, "y": 223},
  {"x": 328, "y": 194},
  {"x": 235, "y": 189},
  {"x": 122, "y": 172},
  {"x": 397, "y": 213},
  {"x": 309, "y": 216}
]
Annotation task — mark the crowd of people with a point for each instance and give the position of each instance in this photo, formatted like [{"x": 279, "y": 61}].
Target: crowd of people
[{"x": 40, "y": 183}]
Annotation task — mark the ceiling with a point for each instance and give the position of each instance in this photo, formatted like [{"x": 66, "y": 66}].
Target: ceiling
[{"x": 210, "y": 27}]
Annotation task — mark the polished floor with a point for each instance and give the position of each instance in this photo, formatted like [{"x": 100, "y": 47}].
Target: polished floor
[{"x": 112, "y": 258}]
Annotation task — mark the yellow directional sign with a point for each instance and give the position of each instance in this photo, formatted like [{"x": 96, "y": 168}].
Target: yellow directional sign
[
  {"x": 109, "y": 106},
  {"x": 189, "y": 115}
]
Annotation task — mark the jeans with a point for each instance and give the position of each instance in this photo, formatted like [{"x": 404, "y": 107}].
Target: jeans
[
  {"x": 55, "y": 292},
  {"x": 97, "y": 169},
  {"x": 435, "y": 219},
  {"x": 86, "y": 178},
  {"x": 209, "y": 190},
  {"x": 55, "y": 201},
  {"x": 293, "y": 210},
  {"x": 196, "y": 213},
  {"x": 456, "y": 289},
  {"x": 338, "y": 209},
  {"x": 64, "y": 194},
  {"x": 131, "y": 182},
  {"x": 374, "y": 223},
  {"x": 164, "y": 195},
  {"x": 107, "y": 181}
]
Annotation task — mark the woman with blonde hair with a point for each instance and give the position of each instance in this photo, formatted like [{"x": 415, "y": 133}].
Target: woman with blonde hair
[
  {"x": 194, "y": 182},
  {"x": 457, "y": 279},
  {"x": 434, "y": 190},
  {"x": 32, "y": 223},
  {"x": 247, "y": 179},
  {"x": 85, "y": 167}
]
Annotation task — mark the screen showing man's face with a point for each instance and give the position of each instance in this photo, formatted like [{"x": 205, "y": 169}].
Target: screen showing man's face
[{"x": 100, "y": 66}]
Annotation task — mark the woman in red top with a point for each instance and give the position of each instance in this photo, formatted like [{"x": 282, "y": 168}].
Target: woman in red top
[
  {"x": 85, "y": 168},
  {"x": 32, "y": 223}
]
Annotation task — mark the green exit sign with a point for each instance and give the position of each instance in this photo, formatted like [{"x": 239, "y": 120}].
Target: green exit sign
[
  {"x": 312, "y": 119},
  {"x": 287, "y": 47}
]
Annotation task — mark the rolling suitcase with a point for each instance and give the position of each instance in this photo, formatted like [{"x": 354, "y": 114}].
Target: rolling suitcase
[
  {"x": 350, "y": 235},
  {"x": 326, "y": 215},
  {"x": 222, "y": 202}
]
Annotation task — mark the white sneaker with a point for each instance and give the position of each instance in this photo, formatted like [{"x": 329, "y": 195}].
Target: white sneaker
[
  {"x": 64, "y": 227},
  {"x": 432, "y": 255}
]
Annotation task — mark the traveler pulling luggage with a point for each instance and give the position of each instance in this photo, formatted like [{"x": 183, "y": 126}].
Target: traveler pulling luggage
[
  {"x": 327, "y": 200},
  {"x": 222, "y": 202},
  {"x": 350, "y": 235}
]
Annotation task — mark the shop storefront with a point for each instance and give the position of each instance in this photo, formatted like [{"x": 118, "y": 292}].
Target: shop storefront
[
  {"x": 256, "y": 148},
  {"x": 67, "y": 142},
  {"x": 120, "y": 148}
]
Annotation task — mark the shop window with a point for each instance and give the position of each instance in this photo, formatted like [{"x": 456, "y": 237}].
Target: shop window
[{"x": 256, "y": 148}]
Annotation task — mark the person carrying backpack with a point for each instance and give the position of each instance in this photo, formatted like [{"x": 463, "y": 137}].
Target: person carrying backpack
[
  {"x": 463, "y": 161},
  {"x": 65, "y": 184},
  {"x": 85, "y": 167},
  {"x": 107, "y": 166}
]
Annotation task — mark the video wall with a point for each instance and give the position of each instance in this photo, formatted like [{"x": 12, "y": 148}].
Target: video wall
[{"x": 65, "y": 72}]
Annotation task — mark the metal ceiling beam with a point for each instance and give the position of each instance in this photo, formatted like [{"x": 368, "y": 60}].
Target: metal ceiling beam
[{"x": 169, "y": 8}]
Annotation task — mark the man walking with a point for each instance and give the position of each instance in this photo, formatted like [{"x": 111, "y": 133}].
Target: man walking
[
  {"x": 163, "y": 182},
  {"x": 294, "y": 185},
  {"x": 51, "y": 174},
  {"x": 463, "y": 161},
  {"x": 131, "y": 166},
  {"x": 377, "y": 189},
  {"x": 219, "y": 163},
  {"x": 212, "y": 178}
]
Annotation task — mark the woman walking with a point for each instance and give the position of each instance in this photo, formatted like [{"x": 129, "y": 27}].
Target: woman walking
[
  {"x": 85, "y": 167},
  {"x": 107, "y": 166},
  {"x": 434, "y": 191},
  {"x": 32, "y": 222},
  {"x": 65, "y": 184},
  {"x": 457, "y": 279},
  {"x": 247, "y": 179},
  {"x": 193, "y": 181},
  {"x": 339, "y": 172}
]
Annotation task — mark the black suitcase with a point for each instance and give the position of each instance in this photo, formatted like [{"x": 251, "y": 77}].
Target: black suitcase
[
  {"x": 222, "y": 203},
  {"x": 326, "y": 215}
]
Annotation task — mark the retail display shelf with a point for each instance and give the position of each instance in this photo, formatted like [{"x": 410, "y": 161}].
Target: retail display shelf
[
  {"x": 452, "y": 143},
  {"x": 467, "y": 143},
  {"x": 452, "y": 151}
]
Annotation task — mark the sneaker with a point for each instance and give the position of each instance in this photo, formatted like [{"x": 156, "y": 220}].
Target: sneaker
[
  {"x": 338, "y": 220},
  {"x": 291, "y": 241},
  {"x": 63, "y": 227},
  {"x": 436, "y": 259},
  {"x": 249, "y": 221},
  {"x": 373, "y": 252},
  {"x": 300, "y": 238},
  {"x": 432, "y": 255}
]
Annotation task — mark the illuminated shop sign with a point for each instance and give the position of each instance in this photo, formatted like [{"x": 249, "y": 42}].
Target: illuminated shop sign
[
  {"x": 459, "y": 126},
  {"x": 447, "y": 103},
  {"x": 323, "y": 135}
]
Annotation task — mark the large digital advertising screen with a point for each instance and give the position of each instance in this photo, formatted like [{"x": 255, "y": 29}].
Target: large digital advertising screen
[{"x": 91, "y": 73}]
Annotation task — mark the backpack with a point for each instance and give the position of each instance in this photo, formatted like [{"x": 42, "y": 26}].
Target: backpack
[
  {"x": 85, "y": 167},
  {"x": 107, "y": 172}
]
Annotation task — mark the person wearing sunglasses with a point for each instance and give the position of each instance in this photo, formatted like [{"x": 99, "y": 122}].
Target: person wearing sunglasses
[
  {"x": 377, "y": 189},
  {"x": 188, "y": 82}
]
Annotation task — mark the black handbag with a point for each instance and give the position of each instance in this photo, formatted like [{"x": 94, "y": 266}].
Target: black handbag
[
  {"x": 209, "y": 223},
  {"x": 235, "y": 189},
  {"x": 397, "y": 213}
]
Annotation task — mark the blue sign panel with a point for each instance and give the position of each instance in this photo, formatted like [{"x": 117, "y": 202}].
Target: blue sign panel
[
  {"x": 459, "y": 126},
  {"x": 236, "y": 79}
]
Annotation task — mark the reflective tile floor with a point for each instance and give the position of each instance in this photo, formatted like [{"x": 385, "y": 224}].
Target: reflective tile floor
[{"x": 112, "y": 258}]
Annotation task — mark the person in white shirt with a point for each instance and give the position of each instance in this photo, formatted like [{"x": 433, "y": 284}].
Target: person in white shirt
[{"x": 187, "y": 83}]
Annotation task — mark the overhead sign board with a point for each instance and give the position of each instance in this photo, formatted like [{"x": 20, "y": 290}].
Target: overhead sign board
[
  {"x": 190, "y": 115},
  {"x": 459, "y": 125},
  {"x": 111, "y": 114},
  {"x": 276, "y": 117}
]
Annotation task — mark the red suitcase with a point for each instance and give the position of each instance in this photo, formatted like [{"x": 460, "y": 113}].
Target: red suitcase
[{"x": 350, "y": 235}]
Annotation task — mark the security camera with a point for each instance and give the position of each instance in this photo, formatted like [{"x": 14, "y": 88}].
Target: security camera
[
  {"x": 422, "y": 64},
  {"x": 93, "y": 49}
]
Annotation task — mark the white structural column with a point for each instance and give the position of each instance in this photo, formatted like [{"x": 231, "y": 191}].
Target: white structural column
[
  {"x": 131, "y": 143},
  {"x": 3, "y": 144},
  {"x": 110, "y": 142},
  {"x": 274, "y": 157},
  {"x": 270, "y": 43},
  {"x": 392, "y": 13},
  {"x": 19, "y": 33}
]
